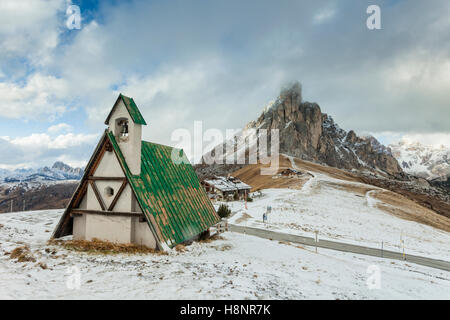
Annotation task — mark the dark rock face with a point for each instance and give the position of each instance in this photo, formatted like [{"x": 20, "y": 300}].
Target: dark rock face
[
  {"x": 443, "y": 183},
  {"x": 307, "y": 133}
]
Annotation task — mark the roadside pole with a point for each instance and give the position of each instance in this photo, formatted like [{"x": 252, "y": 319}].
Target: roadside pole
[
  {"x": 317, "y": 240},
  {"x": 403, "y": 246},
  {"x": 402, "y": 243}
]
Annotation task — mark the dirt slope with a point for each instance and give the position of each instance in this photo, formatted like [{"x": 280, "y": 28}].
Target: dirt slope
[{"x": 386, "y": 200}]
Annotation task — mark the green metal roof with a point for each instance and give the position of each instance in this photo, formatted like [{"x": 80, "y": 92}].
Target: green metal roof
[
  {"x": 169, "y": 194},
  {"x": 132, "y": 108}
]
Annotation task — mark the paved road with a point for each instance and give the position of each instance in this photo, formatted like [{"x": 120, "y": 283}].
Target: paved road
[{"x": 345, "y": 247}]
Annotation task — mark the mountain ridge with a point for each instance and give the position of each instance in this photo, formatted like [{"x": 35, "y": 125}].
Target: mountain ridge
[
  {"x": 59, "y": 171},
  {"x": 307, "y": 133},
  {"x": 425, "y": 161}
]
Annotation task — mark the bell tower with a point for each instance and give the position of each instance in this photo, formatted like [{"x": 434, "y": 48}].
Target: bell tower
[{"x": 125, "y": 121}]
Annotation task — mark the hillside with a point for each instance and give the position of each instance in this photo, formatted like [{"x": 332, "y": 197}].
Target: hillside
[
  {"x": 310, "y": 135},
  {"x": 341, "y": 207},
  {"x": 37, "y": 189},
  {"x": 408, "y": 206},
  {"x": 235, "y": 266},
  {"x": 37, "y": 197}
]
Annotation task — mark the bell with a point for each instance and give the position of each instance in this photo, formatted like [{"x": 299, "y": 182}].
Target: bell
[{"x": 124, "y": 131}]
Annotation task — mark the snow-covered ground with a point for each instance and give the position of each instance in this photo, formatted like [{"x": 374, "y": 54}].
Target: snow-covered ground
[
  {"x": 341, "y": 215},
  {"x": 235, "y": 267}
]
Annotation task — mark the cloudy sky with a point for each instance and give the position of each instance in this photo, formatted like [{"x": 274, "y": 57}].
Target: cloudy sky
[{"x": 219, "y": 62}]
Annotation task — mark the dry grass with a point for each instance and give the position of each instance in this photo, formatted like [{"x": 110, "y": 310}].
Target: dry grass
[
  {"x": 212, "y": 238},
  {"x": 22, "y": 254},
  {"x": 330, "y": 171},
  {"x": 393, "y": 202},
  {"x": 224, "y": 247},
  {"x": 180, "y": 247},
  {"x": 357, "y": 189},
  {"x": 243, "y": 218},
  {"x": 251, "y": 175},
  {"x": 97, "y": 246},
  {"x": 404, "y": 208}
]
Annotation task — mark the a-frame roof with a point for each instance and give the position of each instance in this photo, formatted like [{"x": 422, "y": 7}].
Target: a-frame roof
[
  {"x": 132, "y": 108},
  {"x": 169, "y": 193},
  {"x": 65, "y": 224}
]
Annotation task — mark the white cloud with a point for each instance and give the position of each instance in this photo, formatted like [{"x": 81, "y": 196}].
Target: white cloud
[
  {"x": 35, "y": 141},
  {"x": 324, "y": 15},
  {"x": 42, "y": 141},
  {"x": 60, "y": 127},
  {"x": 175, "y": 97},
  {"x": 71, "y": 140},
  {"x": 430, "y": 139},
  {"x": 40, "y": 95},
  {"x": 40, "y": 149},
  {"x": 220, "y": 63},
  {"x": 435, "y": 139},
  {"x": 30, "y": 28}
]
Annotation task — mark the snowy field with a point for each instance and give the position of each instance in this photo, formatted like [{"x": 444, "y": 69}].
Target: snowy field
[
  {"x": 340, "y": 215},
  {"x": 235, "y": 267}
]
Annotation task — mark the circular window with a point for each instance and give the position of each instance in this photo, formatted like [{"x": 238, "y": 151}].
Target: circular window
[{"x": 109, "y": 191}]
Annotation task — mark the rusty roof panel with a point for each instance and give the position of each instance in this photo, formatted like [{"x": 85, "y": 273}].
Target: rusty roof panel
[
  {"x": 132, "y": 108},
  {"x": 170, "y": 194}
]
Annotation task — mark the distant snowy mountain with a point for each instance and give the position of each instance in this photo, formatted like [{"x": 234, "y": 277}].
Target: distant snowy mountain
[
  {"x": 429, "y": 162},
  {"x": 58, "y": 172}
]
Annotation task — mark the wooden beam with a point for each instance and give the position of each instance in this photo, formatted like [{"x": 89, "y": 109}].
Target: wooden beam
[
  {"x": 108, "y": 146},
  {"x": 75, "y": 212},
  {"x": 107, "y": 178},
  {"x": 97, "y": 194},
  {"x": 65, "y": 225},
  {"x": 97, "y": 160},
  {"x": 116, "y": 198},
  {"x": 79, "y": 194}
]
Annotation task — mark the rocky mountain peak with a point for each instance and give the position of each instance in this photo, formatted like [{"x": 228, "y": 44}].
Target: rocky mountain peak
[
  {"x": 61, "y": 166},
  {"x": 307, "y": 133}
]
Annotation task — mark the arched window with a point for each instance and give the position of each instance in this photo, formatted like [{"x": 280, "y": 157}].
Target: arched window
[{"x": 122, "y": 127}]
